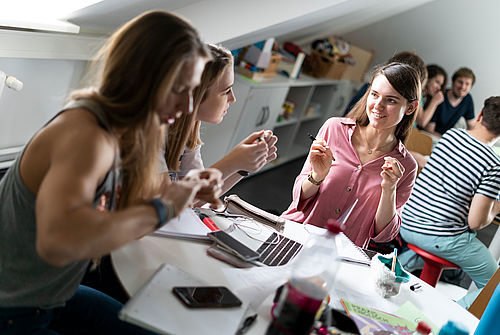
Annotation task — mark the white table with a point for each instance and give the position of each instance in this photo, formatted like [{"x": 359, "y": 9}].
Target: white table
[{"x": 136, "y": 262}]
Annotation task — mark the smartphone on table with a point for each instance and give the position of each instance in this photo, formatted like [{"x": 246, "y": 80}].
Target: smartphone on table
[
  {"x": 206, "y": 296},
  {"x": 233, "y": 246}
]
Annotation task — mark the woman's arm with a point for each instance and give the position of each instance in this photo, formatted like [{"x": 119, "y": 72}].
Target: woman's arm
[
  {"x": 250, "y": 155},
  {"x": 425, "y": 115},
  {"x": 68, "y": 227},
  {"x": 392, "y": 171},
  {"x": 431, "y": 128},
  {"x": 320, "y": 159}
]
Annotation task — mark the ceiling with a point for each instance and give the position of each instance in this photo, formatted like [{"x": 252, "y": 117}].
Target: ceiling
[{"x": 240, "y": 22}]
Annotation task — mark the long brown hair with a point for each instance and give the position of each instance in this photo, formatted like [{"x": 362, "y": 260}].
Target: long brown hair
[
  {"x": 136, "y": 70},
  {"x": 184, "y": 133},
  {"x": 406, "y": 81}
]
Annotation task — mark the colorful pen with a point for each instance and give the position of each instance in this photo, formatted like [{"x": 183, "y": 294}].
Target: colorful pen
[
  {"x": 393, "y": 267},
  {"x": 208, "y": 222}
]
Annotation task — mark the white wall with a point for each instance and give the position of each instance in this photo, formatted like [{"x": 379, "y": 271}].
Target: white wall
[
  {"x": 451, "y": 33},
  {"x": 46, "y": 85}
]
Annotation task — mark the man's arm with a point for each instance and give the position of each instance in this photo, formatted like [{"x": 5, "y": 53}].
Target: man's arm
[
  {"x": 470, "y": 123},
  {"x": 482, "y": 211}
]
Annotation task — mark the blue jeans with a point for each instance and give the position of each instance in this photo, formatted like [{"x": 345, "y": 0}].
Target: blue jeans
[
  {"x": 87, "y": 312},
  {"x": 465, "y": 250}
]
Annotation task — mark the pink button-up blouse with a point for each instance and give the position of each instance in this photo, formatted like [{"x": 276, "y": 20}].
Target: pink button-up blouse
[{"x": 349, "y": 180}]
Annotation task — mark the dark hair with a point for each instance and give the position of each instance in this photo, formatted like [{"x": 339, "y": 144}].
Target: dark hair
[
  {"x": 136, "y": 70},
  {"x": 405, "y": 80},
  {"x": 412, "y": 59},
  {"x": 464, "y": 72},
  {"x": 434, "y": 70},
  {"x": 491, "y": 115}
]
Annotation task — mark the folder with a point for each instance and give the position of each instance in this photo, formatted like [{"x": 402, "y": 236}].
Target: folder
[{"x": 156, "y": 308}]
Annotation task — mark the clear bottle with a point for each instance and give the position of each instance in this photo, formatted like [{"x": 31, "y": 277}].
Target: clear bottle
[{"x": 313, "y": 275}]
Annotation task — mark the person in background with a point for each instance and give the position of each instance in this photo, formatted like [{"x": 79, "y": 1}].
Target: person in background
[
  {"x": 211, "y": 102},
  {"x": 87, "y": 182},
  {"x": 457, "y": 193},
  {"x": 405, "y": 57},
  {"x": 457, "y": 103},
  {"x": 363, "y": 157},
  {"x": 433, "y": 94}
]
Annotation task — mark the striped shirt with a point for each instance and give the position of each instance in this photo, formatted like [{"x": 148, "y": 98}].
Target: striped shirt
[{"x": 459, "y": 167}]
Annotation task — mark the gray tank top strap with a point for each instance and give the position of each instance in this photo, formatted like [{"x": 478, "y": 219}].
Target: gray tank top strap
[{"x": 96, "y": 109}]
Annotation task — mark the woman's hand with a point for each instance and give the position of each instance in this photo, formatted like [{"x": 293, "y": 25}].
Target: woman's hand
[
  {"x": 204, "y": 185},
  {"x": 271, "y": 140},
  {"x": 320, "y": 158},
  {"x": 392, "y": 171},
  {"x": 210, "y": 181},
  {"x": 253, "y": 152},
  {"x": 437, "y": 98}
]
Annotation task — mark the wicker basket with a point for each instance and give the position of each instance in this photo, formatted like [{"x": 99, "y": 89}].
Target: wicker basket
[{"x": 320, "y": 65}]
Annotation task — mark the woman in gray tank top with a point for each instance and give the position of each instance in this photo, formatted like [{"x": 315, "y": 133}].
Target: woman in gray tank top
[{"x": 87, "y": 182}]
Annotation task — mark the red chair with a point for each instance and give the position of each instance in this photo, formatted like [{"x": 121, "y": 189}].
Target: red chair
[{"x": 433, "y": 266}]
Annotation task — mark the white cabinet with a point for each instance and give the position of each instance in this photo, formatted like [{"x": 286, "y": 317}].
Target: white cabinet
[{"x": 259, "y": 105}]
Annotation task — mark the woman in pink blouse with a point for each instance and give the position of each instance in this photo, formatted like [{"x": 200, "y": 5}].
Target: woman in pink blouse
[{"x": 363, "y": 157}]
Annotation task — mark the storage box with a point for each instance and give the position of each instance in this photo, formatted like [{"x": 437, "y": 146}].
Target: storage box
[
  {"x": 268, "y": 72},
  {"x": 320, "y": 65},
  {"x": 362, "y": 59}
]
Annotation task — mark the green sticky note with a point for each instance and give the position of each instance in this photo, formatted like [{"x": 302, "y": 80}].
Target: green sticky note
[{"x": 410, "y": 312}]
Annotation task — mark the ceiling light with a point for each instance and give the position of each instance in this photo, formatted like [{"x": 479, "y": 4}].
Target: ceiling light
[{"x": 45, "y": 15}]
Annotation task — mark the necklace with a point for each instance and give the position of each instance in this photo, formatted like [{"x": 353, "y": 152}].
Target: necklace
[{"x": 371, "y": 150}]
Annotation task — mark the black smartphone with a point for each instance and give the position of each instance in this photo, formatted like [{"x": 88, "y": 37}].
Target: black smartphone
[
  {"x": 206, "y": 296},
  {"x": 234, "y": 246}
]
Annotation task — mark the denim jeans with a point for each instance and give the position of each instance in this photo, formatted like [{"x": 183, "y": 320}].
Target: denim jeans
[{"x": 87, "y": 312}]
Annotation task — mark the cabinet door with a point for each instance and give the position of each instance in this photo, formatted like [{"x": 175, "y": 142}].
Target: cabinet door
[
  {"x": 217, "y": 137},
  {"x": 262, "y": 107}
]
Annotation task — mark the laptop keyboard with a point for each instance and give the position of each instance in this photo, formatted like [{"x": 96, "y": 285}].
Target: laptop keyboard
[{"x": 278, "y": 250}]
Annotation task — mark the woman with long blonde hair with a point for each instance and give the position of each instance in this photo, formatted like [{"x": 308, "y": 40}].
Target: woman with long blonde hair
[
  {"x": 211, "y": 100},
  {"x": 87, "y": 182}
]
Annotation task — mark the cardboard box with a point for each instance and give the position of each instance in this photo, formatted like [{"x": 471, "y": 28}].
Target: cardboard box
[
  {"x": 363, "y": 59},
  {"x": 320, "y": 65},
  {"x": 268, "y": 72}
]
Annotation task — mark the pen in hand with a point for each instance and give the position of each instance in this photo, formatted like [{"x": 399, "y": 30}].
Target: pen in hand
[
  {"x": 311, "y": 137},
  {"x": 243, "y": 172}
]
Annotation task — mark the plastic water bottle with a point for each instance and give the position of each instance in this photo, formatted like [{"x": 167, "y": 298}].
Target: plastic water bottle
[
  {"x": 313, "y": 275},
  {"x": 453, "y": 328}
]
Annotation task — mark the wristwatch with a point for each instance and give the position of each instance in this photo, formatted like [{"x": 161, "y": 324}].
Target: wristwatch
[
  {"x": 164, "y": 209},
  {"x": 312, "y": 180}
]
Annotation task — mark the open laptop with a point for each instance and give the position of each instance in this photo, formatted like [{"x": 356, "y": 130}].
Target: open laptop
[{"x": 275, "y": 248}]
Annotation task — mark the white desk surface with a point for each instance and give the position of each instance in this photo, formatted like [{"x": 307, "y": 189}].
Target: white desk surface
[{"x": 136, "y": 262}]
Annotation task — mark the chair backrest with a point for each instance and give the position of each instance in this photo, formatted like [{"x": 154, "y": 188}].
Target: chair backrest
[
  {"x": 419, "y": 142},
  {"x": 477, "y": 307}
]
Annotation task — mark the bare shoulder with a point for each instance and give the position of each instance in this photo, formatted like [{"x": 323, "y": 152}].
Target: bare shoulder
[{"x": 73, "y": 140}]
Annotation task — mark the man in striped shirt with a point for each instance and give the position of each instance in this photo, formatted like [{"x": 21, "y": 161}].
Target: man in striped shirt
[{"x": 457, "y": 192}]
